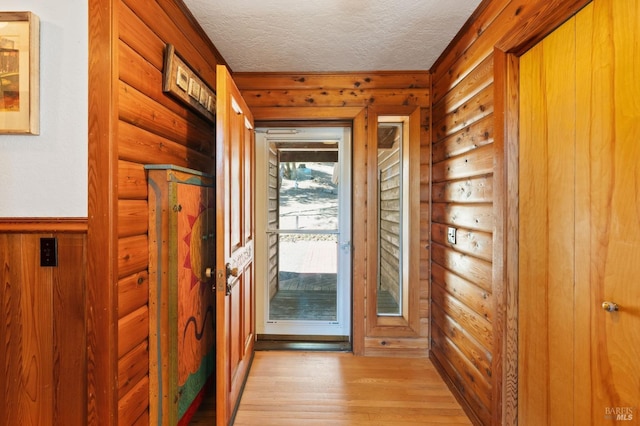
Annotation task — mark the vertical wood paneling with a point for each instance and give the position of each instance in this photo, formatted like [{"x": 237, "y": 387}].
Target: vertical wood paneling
[
  {"x": 547, "y": 89},
  {"x": 43, "y": 329},
  {"x": 581, "y": 87},
  {"x": 607, "y": 206},
  {"x": 69, "y": 315},
  {"x": 359, "y": 196},
  {"x": 28, "y": 327},
  {"x": 101, "y": 234}
]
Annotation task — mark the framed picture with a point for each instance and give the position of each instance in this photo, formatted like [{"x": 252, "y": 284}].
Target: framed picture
[
  {"x": 19, "y": 73},
  {"x": 183, "y": 83}
]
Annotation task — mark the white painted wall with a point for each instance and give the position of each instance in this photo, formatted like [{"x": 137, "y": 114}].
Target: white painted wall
[{"x": 46, "y": 175}]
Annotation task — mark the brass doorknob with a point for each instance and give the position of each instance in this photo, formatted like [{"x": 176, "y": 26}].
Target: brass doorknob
[
  {"x": 609, "y": 306},
  {"x": 208, "y": 272},
  {"x": 231, "y": 272}
]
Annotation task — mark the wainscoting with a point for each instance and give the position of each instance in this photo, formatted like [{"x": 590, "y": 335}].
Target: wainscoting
[{"x": 43, "y": 323}]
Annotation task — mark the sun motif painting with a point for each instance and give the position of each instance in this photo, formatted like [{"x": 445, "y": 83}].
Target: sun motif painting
[{"x": 181, "y": 297}]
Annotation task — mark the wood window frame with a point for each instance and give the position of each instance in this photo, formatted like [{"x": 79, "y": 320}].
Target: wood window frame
[{"x": 407, "y": 325}]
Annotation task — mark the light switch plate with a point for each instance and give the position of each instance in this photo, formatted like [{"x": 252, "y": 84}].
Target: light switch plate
[
  {"x": 49, "y": 251},
  {"x": 451, "y": 235}
]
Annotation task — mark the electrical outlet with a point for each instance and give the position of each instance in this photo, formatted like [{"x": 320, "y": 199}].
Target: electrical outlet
[
  {"x": 451, "y": 235},
  {"x": 49, "y": 251}
]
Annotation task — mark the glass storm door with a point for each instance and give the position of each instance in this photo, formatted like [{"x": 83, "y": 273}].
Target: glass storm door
[{"x": 306, "y": 249}]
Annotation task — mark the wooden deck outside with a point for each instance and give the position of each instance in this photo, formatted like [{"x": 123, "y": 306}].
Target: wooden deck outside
[
  {"x": 309, "y": 296},
  {"x": 321, "y": 388}
]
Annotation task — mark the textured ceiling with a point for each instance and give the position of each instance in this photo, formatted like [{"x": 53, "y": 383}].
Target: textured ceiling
[{"x": 331, "y": 35}]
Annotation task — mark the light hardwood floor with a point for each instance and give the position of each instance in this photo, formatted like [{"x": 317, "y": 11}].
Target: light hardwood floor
[{"x": 333, "y": 388}]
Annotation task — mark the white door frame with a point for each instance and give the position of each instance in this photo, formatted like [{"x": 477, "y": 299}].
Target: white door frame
[{"x": 341, "y": 327}]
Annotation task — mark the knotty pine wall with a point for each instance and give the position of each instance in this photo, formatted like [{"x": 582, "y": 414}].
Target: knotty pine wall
[
  {"x": 43, "y": 324},
  {"x": 152, "y": 128},
  {"x": 299, "y": 93},
  {"x": 469, "y": 298}
]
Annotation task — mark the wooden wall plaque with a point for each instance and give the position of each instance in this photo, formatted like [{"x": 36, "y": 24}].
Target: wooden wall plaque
[{"x": 183, "y": 83}]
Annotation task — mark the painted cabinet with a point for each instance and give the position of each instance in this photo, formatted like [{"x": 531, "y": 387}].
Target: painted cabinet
[{"x": 181, "y": 300}]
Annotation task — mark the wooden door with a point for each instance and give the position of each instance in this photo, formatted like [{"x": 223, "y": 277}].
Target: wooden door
[
  {"x": 608, "y": 211},
  {"x": 235, "y": 297},
  {"x": 579, "y": 226}
]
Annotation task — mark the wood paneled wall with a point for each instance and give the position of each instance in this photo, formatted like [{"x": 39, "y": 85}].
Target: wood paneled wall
[
  {"x": 43, "y": 380},
  {"x": 268, "y": 94},
  {"x": 154, "y": 128},
  {"x": 469, "y": 285},
  {"x": 133, "y": 123}
]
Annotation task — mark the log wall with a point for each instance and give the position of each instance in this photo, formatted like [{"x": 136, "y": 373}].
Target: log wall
[
  {"x": 470, "y": 313},
  {"x": 147, "y": 126},
  {"x": 299, "y": 95}
]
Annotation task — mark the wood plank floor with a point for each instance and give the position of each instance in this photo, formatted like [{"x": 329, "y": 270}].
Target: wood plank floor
[{"x": 321, "y": 388}]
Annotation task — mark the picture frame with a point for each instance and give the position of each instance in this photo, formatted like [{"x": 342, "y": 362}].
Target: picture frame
[
  {"x": 183, "y": 83},
  {"x": 19, "y": 73}
]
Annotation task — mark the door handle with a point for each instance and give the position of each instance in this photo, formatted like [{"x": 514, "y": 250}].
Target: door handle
[
  {"x": 610, "y": 306},
  {"x": 346, "y": 246},
  {"x": 231, "y": 272}
]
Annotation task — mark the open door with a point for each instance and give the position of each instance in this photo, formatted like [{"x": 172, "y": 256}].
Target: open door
[{"x": 235, "y": 322}]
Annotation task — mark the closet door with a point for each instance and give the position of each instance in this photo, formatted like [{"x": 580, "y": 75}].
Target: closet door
[
  {"x": 547, "y": 230},
  {"x": 579, "y": 296},
  {"x": 607, "y": 379}
]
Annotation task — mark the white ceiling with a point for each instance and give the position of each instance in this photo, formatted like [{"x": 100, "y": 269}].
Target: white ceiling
[{"x": 331, "y": 35}]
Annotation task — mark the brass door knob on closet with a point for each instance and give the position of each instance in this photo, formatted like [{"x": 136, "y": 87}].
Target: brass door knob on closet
[{"x": 610, "y": 306}]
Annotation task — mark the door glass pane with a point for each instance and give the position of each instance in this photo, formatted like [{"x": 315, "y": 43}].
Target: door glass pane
[
  {"x": 390, "y": 212},
  {"x": 307, "y": 278},
  {"x": 308, "y": 195},
  {"x": 307, "y": 235}
]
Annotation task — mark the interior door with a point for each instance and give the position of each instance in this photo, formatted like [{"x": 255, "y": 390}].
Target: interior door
[
  {"x": 235, "y": 299},
  {"x": 608, "y": 212},
  {"x": 579, "y": 298}
]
